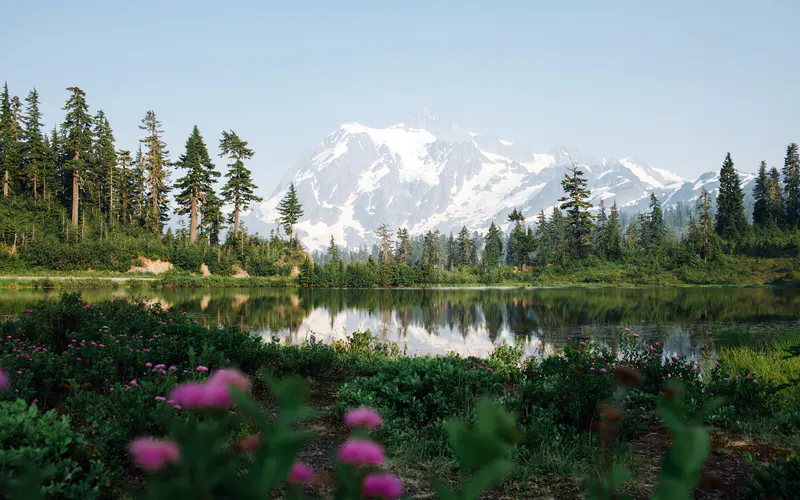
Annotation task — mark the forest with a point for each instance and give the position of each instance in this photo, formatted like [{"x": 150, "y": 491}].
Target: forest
[{"x": 72, "y": 200}]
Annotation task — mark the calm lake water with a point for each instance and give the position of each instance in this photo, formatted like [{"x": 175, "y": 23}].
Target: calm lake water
[{"x": 470, "y": 320}]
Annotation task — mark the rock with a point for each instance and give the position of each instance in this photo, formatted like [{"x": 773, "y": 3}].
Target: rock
[
  {"x": 295, "y": 272},
  {"x": 204, "y": 269},
  {"x": 150, "y": 266},
  {"x": 238, "y": 272}
]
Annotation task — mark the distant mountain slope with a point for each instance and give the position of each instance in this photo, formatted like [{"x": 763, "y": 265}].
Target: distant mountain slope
[{"x": 428, "y": 173}]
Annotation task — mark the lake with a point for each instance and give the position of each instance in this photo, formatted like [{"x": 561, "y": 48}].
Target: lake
[{"x": 470, "y": 320}]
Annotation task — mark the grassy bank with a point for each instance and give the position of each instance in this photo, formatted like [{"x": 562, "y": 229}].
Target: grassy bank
[{"x": 107, "y": 367}]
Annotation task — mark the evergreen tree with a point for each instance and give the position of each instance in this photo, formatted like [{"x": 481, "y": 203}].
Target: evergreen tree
[
  {"x": 138, "y": 186},
  {"x": 598, "y": 243},
  {"x": 612, "y": 235},
  {"x": 126, "y": 188},
  {"x": 101, "y": 176},
  {"x": 239, "y": 189},
  {"x": 77, "y": 138},
  {"x": 6, "y": 142},
  {"x": 493, "y": 248},
  {"x": 517, "y": 246},
  {"x": 451, "y": 251},
  {"x": 13, "y": 145},
  {"x": 384, "y": 235},
  {"x": 705, "y": 227},
  {"x": 197, "y": 182},
  {"x": 777, "y": 207},
  {"x": 517, "y": 217},
  {"x": 761, "y": 215},
  {"x": 655, "y": 231},
  {"x": 791, "y": 179},
  {"x": 35, "y": 152},
  {"x": 156, "y": 169},
  {"x": 290, "y": 210},
  {"x": 463, "y": 244},
  {"x": 432, "y": 250},
  {"x": 212, "y": 221},
  {"x": 731, "y": 222},
  {"x": 559, "y": 227},
  {"x": 403, "y": 250},
  {"x": 333, "y": 252},
  {"x": 577, "y": 205}
]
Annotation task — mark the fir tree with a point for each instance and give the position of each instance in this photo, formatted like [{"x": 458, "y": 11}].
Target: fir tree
[
  {"x": 761, "y": 215},
  {"x": 239, "y": 188},
  {"x": 212, "y": 221},
  {"x": 432, "y": 250},
  {"x": 35, "y": 152},
  {"x": 777, "y": 207},
  {"x": 655, "y": 231},
  {"x": 105, "y": 161},
  {"x": 126, "y": 188},
  {"x": 333, "y": 252},
  {"x": 517, "y": 217},
  {"x": 577, "y": 205},
  {"x": 384, "y": 235},
  {"x": 791, "y": 179},
  {"x": 493, "y": 247},
  {"x": 403, "y": 251},
  {"x": 6, "y": 142},
  {"x": 197, "y": 182},
  {"x": 705, "y": 227},
  {"x": 612, "y": 235},
  {"x": 77, "y": 140},
  {"x": 156, "y": 169},
  {"x": 290, "y": 210},
  {"x": 138, "y": 186},
  {"x": 451, "y": 251},
  {"x": 731, "y": 222},
  {"x": 463, "y": 248}
]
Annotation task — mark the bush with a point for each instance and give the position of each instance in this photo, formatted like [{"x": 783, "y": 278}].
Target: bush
[
  {"x": 46, "y": 443},
  {"x": 780, "y": 479},
  {"x": 189, "y": 258}
]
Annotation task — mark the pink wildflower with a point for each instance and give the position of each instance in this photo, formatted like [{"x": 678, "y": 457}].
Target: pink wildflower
[
  {"x": 363, "y": 417},
  {"x": 230, "y": 377},
  {"x": 636, "y": 335},
  {"x": 160, "y": 398},
  {"x": 148, "y": 365},
  {"x": 134, "y": 383},
  {"x": 201, "y": 368},
  {"x": 153, "y": 454},
  {"x": 361, "y": 452},
  {"x": 300, "y": 473},
  {"x": 602, "y": 370},
  {"x": 383, "y": 486}
]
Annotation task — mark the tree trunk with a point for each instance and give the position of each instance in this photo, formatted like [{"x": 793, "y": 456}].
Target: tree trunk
[
  {"x": 5, "y": 184},
  {"x": 75, "y": 194},
  {"x": 236, "y": 221},
  {"x": 35, "y": 191},
  {"x": 193, "y": 220}
]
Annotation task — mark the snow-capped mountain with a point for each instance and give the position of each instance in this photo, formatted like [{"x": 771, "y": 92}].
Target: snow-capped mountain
[{"x": 428, "y": 173}]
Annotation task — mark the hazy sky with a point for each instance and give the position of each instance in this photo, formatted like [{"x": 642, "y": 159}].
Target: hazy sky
[{"x": 674, "y": 83}]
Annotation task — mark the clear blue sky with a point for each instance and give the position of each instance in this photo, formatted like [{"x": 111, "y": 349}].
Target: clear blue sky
[{"x": 675, "y": 83}]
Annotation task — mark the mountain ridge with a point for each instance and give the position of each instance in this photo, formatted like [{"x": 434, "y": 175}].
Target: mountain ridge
[{"x": 428, "y": 173}]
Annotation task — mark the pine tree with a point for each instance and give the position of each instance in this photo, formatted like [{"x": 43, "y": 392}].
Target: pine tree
[
  {"x": 403, "y": 251},
  {"x": 761, "y": 215},
  {"x": 705, "y": 227},
  {"x": 577, "y": 205},
  {"x": 493, "y": 247},
  {"x": 333, "y": 252},
  {"x": 290, "y": 210},
  {"x": 126, "y": 187},
  {"x": 612, "y": 235},
  {"x": 791, "y": 179},
  {"x": 239, "y": 188},
  {"x": 384, "y": 235},
  {"x": 655, "y": 231},
  {"x": 432, "y": 250},
  {"x": 777, "y": 207},
  {"x": 731, "y": 222},
  {"x": 156, "y": 170},
  {"x": 101, "y": 176},
  {"x": 34, "y": 152},
  {"x": 463, "y": 248},
  {"x": 517, "y": 217},
  {"x": 450, "y": 248},
  {"x": 212, "y": 221},
  {"x": 77, "y": 143},
  {"x": 6, "y": 142},
  {"x": 197, "y": 183},
  {"x": 598, "y": 243},
  {"x": 138, "y": 186}
]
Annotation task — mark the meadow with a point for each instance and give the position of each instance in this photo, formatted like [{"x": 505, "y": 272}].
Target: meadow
[{"x": 231, "y": 416}]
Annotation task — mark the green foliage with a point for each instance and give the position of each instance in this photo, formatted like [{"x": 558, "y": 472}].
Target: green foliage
[
  {"x": 47, "y": 443},
  {"x": 778, "y": 480},
  {"x": 731, "y": 222},
  {"x": 239, "y": 189}
]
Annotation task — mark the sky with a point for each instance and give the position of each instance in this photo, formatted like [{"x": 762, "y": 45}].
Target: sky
[{"x": 675, "y": 84}]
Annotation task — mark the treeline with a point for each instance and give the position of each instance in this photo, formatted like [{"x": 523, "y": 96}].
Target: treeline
[
  {"x": 575, "y": 234},
  {"x": 72, "y": 199}
]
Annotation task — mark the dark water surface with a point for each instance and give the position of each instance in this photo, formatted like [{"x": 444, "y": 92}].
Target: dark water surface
[{"x": 470, "y": 320}]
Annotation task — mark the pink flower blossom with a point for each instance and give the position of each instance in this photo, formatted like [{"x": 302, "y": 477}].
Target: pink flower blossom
[
  {"x": 134, "y": 383},
  {"x": 201, "y": 368},
  {"x": 363, "y": 417},
  {"x": 300, "y": 473},
  {"x": 160, "y": 398},
  {"x": 383, "y": 486},
  {"x": 636, "y": 335},
  {"x": 194, "y": 395},
  {"x": 153, "y": 454},
  {"x": 361, "y": 452},
  {"x": 602, "y": 370},
  {"x": 230, "y": 377},
  {"x": 148, "y": 365}
]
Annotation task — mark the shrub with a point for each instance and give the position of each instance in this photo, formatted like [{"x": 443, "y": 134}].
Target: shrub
[
  {"x": 779, "y": 479},
  {"x": 46, "y": 443}
]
